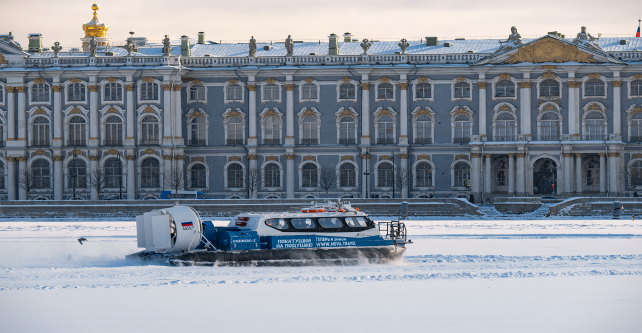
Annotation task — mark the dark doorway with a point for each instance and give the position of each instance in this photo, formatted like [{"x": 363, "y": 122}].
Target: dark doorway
[{"x": 545, "y": 176}]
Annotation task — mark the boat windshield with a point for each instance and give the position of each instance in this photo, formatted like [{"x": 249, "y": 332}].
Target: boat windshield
[
  {"x": 277, "y": 223},
  {"x": 356, "y": 222},
  {"x": 303, "y": 223},
  {"x": 330, "y": 222}
]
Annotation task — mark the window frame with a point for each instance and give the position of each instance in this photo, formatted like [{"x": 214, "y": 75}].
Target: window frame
[
  {"x": 264, "y": 177},
  {"x": 497, "y": 80},
  {"x": 227, "y": 175},
  {"x": 453, "y": 89},
  {"x": 33, "y": 85},
  {"x": 308, "y": 82},
  {"x": 141, "y": 177},
  {"x": 139, "y": 89},
  {"x": 393, "y": 91},
  {"x": 275, "y": 113},
  {"x": 593, "y": 78},
  {"x": 415, "y": 174},
  {"x": 377, "y": 169},
  {"x": 453, "y": 170},
  {"x": 69, "y": 85},
  {"x": 103, "y": 87},
  {"x": 265, "y": 84},
  {"x": 200, "y": 88},
  {"x": 423, "y": 80},
  {"x": 226, "y": 95},
  {"x": 347, "y": 81},
  {"x": 381, "y": 112},
  {"x": 542, "y": 80}
]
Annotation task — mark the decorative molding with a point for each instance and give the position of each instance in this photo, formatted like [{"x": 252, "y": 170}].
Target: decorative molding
[
  {"x": 475, "y": 155},
  {"x": 197, "y": 159},
  {"x": 384, "y": 158},
  {"x": 385, "y": 79},
  {"x": 179, "y": 157},
  {"x": 147, "y": 79},
  {"x": 289, "y": 87},
  {"x": 56, "y": 158},
  {"x": 525, "y": 84},
  {"x": 251, "y": 87},
  {"x": 616, "y": 84},
  {"x": 365, "y": 86},
  {"x": 613, "y": 154},
  {"x": 111, "y": 79},
  {"x": 346, "y": 79},
  {"x": 94, "y": 158},
  {"x": 403, "y": 156},
  {"x": 167, "y": 87},
  {"x": 167, "y": 157},
  {"x": 21, "y": 90},
  {"x": 289, "y": 156},
  {"x": 308, "y": 80},
  {"x": 271, "y": 158},
  {"x": 637, "y": 76},
  {"x": 39, "y": 80},
  {"x": 230, "y": 81},
  {"x": 634, "y": 156},
  {"x": 548, "y": 67},
  {"x": 422, "y": 79},
  {"x": 40, "y": 111},
  {"x": 234, "y": 158},
  {"x": 130, "y": 157},
  {"x": 573, "y": 84},
  {"x": 403, "y": 86},
  {"x": 177, "y": 87},
  {"x": 461, "y": 157},
  {"x": 93, "y": 88},
  {"x": 129, "y": 87},
  {"x": 40, "y": 152},
  {"x": 148, "y": 109},
  {"x": 520, "y": 155},
  {"x": 57, "y": 88},
  {"x": 347, "y": 158},
  {"x": 75, "y": 110},
  {"x": 76, "y": 152},
  {"x": 112, "y": 110},
  {"x": 112, "y": 152},
  {"x": 22, "y": 158},
  {"x": 594, "y": 76},
  {"x": 549, "y": 75},
  {"x": 550, "y": 50},
  {"x": 149, "y": 151},
  {"x": 252, "y": 157},
  {"x": 461, "y": 79},
  {"x": 482, "y": 85},
  {"x": 309, "y": 158},
  {"x": 423, "y": 157},
  {"x": 504, "y": 76},
  {"x": 11, "y": 89},
  {"x": 270, "y": 80},
  {"x": 75, "y": 80}
]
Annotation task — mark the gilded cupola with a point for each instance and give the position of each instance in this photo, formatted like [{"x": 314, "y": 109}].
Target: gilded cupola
[{"x": 94, "y": 28}]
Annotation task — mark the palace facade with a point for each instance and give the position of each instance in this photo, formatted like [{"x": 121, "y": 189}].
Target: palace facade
[{"x": 546, "y": 116}]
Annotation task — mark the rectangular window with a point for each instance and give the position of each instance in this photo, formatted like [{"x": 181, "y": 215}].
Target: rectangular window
[
  {"x": 113, "y": 92},
  {"x": 197, "y": 93},
  {"x": 76, "y": 92}
]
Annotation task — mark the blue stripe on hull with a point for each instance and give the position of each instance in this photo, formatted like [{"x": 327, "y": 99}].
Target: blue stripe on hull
[{"x": 319, "y": 241}]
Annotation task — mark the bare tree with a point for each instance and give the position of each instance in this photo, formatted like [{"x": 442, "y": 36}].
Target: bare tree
[
  {"x": 97, "y": 180},
  {"x": 26, "y": 182},
  {"x": 327, "y": 179},
  {"x": 174, "y": 179},
  {"x": 252, "y": 181},
  {"x": 401, "y": 179}
]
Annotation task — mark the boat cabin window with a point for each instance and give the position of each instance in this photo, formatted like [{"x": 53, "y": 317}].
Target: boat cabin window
[
  {"x": 303, "y": 223},
  {"x": 277, "y": 223},
  {"x": 330, "y": 222},
  {"x": 356, "y": 222}
]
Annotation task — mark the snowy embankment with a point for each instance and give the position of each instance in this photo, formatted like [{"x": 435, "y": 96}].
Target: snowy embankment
[{"x": 571, "y": 275}]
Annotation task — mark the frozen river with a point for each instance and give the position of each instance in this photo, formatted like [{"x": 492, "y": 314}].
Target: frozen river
[{"x": 458, "y": 276}]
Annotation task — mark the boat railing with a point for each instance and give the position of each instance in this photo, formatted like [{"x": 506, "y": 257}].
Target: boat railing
[{"x": 395, "y": 231}]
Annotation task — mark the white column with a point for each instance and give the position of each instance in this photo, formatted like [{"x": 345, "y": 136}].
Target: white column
[
  {"x": 511, "y": 173},
  {"x": 252, "y": 140},
  {"x": 93, "y": 116},
  {"x": 58, "y": 177},
  {"x": 290, "y": 172},
  {"x": 602, "y": 173},
  {"x": 488, "y": 186},
  {"x": 482, "y": 110},
  {"x": 131, "y": 177},
  {"x": 180, "y": 165},
  {"x": 167, "y": 114},
  {"x": 22, "y": 165},
  {"x": 403, "y": 115},
  {"x": 167, "y": 168},
  {"x": 403, "y": 159},
  {"x": 613, "y": 173},
  {"x": 559, "y": 184},
  {"x": 617, "y": 109},
  {"x": 525, "y": 107},
  {"x": 93, "y": 164},
  {"x": 131, "y": 116},
  {"x": 365, "y": 113},
  {"x": 11, "y": 177},
  {"x": 178, "y": 113},
  {"x": 476, "y": 176},
  {"x": 521, "y": 178},
  {"x": 253, "y": 167},
  {"x": 11, "y": 110},
  {"x": 578, "y": 173},
  {"x": 568, "y": 172},
  {"x": 289, "y": 118},
  {"x": 57, "y": 118},
  {"x": 22, "y": 115},
  {"x": 573, "y": 109}
]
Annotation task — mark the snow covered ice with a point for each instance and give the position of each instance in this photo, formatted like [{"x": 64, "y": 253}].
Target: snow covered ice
[{"x": 460, "y": 275}]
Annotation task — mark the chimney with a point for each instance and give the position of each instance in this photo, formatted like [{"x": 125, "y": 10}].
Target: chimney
[
  {"x": 201, "y": 37},
  {"x": 185, "y": 51},
  {"x": 347, "y": 37},
  {"x": 35, "y": 43},
  {"x": 333, "y": 45}
]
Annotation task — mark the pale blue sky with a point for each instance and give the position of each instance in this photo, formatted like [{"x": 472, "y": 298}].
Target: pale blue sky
[{"x": 313, "y": 20}]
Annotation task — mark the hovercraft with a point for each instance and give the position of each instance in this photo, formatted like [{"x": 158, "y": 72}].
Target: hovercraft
[{"x": 331, "y": 233}]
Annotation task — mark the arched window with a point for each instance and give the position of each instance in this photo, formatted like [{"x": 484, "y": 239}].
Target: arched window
[
  {"x": 197, "y": 92},
  {"x": 505, "y": 127},
  {"x": 462, "y": 174},
  {"x": 113, "y": 91},
  {"x": 309, "y": 175},
  {"x": 636, "y": 128},
  {"x": 500, "y": 173},
  {"x": 462, "y": 129},
  {"x": 505, "y": 88},
  {"x": 347, "y": 131},
  {"x": 385, "y": 91},
  {"x": 310, "y": 131},
  {"x": 40, "y": 92},
  {"x": 2, "y": 143},
  {"x": 593, "y": 172},
  {"x": 77, "y": 134},
  {"x": 40, "y": 132},
  {"x": 41, "y": 174},
  {"x": 197, "y": 132},
  {"x": 309, "y": 91},
  {"x": 423, "y": 91},
  {"x": 462, "y": 90},
  {"x": 234, "y": 131},
  {"x": 234, "y": 92},
  {"x": 235, "y": 175},
  {"x": 1, "y": 175},
  {"x": 385, "y": 175},
  {"x": 272, "y": 175},
  {"x": 635, "y": 173},
  {"x": 271, "y": 92},
  {"x": 113, "y": 131},
  {"x": 149, "y": 91},
  {"x": 347, "y": 91},
  {"x": 385, "y": 130},
  {"x": 594, "y": 87},
  {"x": 595, "y": 126},
  {"x": 76, "y": 92},
  {"x": 272, "y": 131},
  {"x": 423, "y": 175},
  {"x": 150, "y": 131},
  {"x": 347, "y": 177},
  {"x": 636, "y": 88},
  {"x": 113, "y": 173},
  {"x": 150, "y": 173},
  {"x": 423, "y": 129},
  {"x": 550, "y": 127},
  {"x": 198, "y": 176},
  {"x": 77, "y": 173},
  {"x": 549, "y": 88}
]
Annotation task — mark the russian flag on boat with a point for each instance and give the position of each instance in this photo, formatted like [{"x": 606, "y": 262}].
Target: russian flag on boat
[{"x": 187, "y": 224}]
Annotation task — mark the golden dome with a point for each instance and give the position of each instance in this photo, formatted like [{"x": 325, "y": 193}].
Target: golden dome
[{"x": 94, "y": 28}]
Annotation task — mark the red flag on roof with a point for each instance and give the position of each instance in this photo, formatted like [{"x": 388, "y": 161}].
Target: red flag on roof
[{"x": 637, "y": 34}]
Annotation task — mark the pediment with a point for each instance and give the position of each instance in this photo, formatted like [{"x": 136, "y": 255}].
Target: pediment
[{"x": 548, "y": 49}]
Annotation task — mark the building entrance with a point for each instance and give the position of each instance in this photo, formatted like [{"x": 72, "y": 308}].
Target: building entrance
[{"x": 545, "y": 176}]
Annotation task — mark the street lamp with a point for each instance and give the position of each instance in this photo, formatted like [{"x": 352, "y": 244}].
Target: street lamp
[{"x": 367, "y": 172}]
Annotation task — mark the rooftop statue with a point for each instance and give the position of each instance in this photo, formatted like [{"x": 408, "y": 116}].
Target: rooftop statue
[
  {"x": 93, "y": 46},
  {"x": 586, "y": 39},
  {"x": 129, "y": 47},
  {"x": 167, "y": 48},
  {"x": 289, "y": 46},
  {"x": 252, "y": 47},
  {"x": 404, "y": 45},
  {"x": 56, "y": 49},
  {"x": 514, "y": 39},
  {"x": 365, "y": 45}
]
